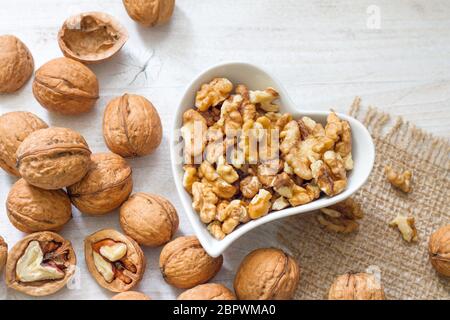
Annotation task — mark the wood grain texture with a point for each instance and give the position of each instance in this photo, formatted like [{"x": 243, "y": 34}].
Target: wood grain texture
[{"x": 322, "y": 51}]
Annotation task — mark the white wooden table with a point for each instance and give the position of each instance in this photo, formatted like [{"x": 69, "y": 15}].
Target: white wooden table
[{"x": 325, "y": 52}]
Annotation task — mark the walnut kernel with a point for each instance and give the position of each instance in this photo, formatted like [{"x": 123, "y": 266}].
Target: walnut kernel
[
  {"x": 406, "y": 226},
  {"x": 401, "y": 181}
]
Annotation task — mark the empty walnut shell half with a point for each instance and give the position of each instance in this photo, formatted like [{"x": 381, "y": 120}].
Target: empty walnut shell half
[
  {"x": 356, "y": 286},
  {"x": 53, "y": 158},
  {"x": 439, "y": 250},
  {"x": 14, "y": 128},
  {"x": 150, "y": 13},
  {"x": 149, "y": 219},
  {"x": 208, "y": 291},
  {"x": 267, "y": 274},
  {"x": 16, "y": 64},
  {"x": 3, "y": 253},
  {"x": 115, "y": 260},
  {"x": 40, "y": 264},
  {"x": 91, "y": 37},
  {"x": 131, "y": 295},
  {"x": 65, "y": 86},
  {"x": 185, "y": 264},
  {"x": 131, "y": 126},
  {"x": 107, "y": 184},
  {"x": 32, "y": 209}
]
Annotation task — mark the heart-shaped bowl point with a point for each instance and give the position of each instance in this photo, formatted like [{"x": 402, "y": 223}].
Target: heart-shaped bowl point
[{"x": 255, "y": 78}]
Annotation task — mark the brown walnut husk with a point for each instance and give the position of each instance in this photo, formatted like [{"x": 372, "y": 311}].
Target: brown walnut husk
[
  {"x": 32, "y": 209},
  {"x": 185, "y": 264},
  {"x": 91, "y": 37},
  {"x": 149, "y": 219},
  {"x": 356, "y": 286},
  {"x": 16, "y": 64},
  {"x": 53, "y": 158},
  {"x": 130, "y": 295},
  {"x": 14, "y": 128},
  {"x": 439, "y": 250},
  {"x": 131, "y": 126},
  {"x": 107, "y": 184},
  {"x": 64, "y": 255},
  {"x": 65, "y": 86},
  {"x": 3, "y": 253},
  {"x": 208, "y": 291},
  {"x": 150, "y": 13},
  {"x": 132, "y": 268},
  {"x": 267, "y": 274}
]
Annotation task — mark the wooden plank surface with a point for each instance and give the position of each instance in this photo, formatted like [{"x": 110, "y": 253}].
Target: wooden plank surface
[{"x": 325, "y": 52}]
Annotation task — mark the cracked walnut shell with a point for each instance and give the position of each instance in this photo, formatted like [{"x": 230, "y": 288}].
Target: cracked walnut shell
[
  {"x": 149, "y": 219},
  {"x": 267, "y": 274},
  {"x": 91, "y": 37},
  {"x": 65, "y": 86},
  {"x": 356, "y": 286},
  {"x": 208, "y": 291},
  {"x": 131, "y": 126},
  {"x": 16, "y": 64},
  {"x": 185, "y": 264},
  {"x": 130, "y": 295},
  {"x": 150, "y": 13},
  {"x": 40, "y": 264},
  {"x": 106, "y": 185},
  {"x": 14, "y": 128},
  {"x": 53, "y": 158},
  {"x": 439, "y": 250},
  {"x": 3, "y": 253},
  {"x": 115, "y": 260},
  {"x": 32, "y": 209}
]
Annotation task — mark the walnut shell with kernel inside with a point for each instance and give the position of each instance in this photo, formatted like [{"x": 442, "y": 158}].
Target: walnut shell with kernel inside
[
  {"x": 53, "y": 158},
  {"x": 208, "y": 291},
  {"x": 150, "y": 13},
  {"x": 439, "y": 250},
  {"x": 107, "y": 184},
  {"x": 65, "y": 86},
  {"x": 91, "y": 37},
  {"x": 149, "y": 219},
  {"x": 267, "y": 274},
  {"x": 14, "y": 128},
  {"x": 131, "y": 126},
  {"x": 356, "y": 286},
  {"x": 185, "y": 264},
  {"x": 3, "y": 253},
  {"x": 32, "y": 209},
  {"x": 16, "y": 64}
]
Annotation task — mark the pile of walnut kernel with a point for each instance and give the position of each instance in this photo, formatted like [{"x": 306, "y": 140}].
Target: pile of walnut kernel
[{"x": 244, "y": 158}]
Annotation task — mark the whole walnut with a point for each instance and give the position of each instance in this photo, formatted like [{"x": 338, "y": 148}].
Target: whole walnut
[
  {"x": 53, "y": 158},
  {"x": 149, "y": 219},
  {"x": 14, "y": 128},
  {"x": 356, "y": 286},
  {"x": 185, "y": 264},
  {"x": 107, "y": 184},
  {"x": 131, "y": 126},
  {"x": 16, "y": 64},
  {"x": 3, "y": 253},
  {"x": 150, "y": 12},
  {"x": 65, "y": 86},
  {"x": 130, "y": 295},
  {"x": 208, "y": 291},
  {"x": 439, "y": 250},
  {"x": 32, "y": 209},
  {"x": 267, "y": 274}
]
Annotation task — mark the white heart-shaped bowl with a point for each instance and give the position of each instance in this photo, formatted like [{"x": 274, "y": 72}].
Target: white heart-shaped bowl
[{"x": 256, "y": 78}]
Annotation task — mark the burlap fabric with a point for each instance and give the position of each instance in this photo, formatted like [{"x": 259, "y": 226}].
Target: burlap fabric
[{"x": 405, "y": 269}]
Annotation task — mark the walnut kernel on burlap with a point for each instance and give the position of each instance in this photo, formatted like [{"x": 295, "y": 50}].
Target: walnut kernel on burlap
[{"x": 405, "y": 270}]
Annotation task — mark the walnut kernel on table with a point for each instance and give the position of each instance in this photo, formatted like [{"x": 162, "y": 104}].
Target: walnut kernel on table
[
  {"x": 185, "y": 264},
  {"x": 130, "y": 295},
  {"x": 31, "y": 209},
  {"x": 91, "y": 37},
  {"x": 66, "y": 86},
  {"x": 399, "y": 180},
  {"x": 3, "y": 253},
  {"x": 40, "y": 264},
  {"x": 341, "y": 217},
  {"x": 150, "y": 13},
  {"x": 131, "y": 126},
  {"x": 406, "y": 226},
  {"x": 14, "y": 128},
  {"x": 439, "y": 250},
  {"x": 16, "y": 64},
  {"x": 356, "y": 286},
  {"x": 267, "y": 274},
  {"x": 53, "y": 158},
  {"x": 208, "y": 291},
  {"x": 149, "y": 219},
  {"x": 106, "y": 185}
]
